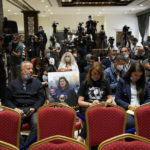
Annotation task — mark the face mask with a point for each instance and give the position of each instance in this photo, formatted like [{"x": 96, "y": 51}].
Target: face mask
[
  {"x": 119, "y": 67},
  {"x": 132, "y": 79},
  {"x": 26, "y": 77},
  {"x": 94, "y": 79},
  {"x": 37, "y": 68},
  {"x": 126, "y": 56},
  {"x": 55, "y": 41},
  {"x": 75, "y": 55},
  {"x": 136, "y": 52},
  {"x": 67, "y": 59},
  {"x": 48, "y": 54},
  {"x": 113, "y": 57},
  {"x": 143, "y": 53},
  {"x": 15, "y": 41},
  {"x": 41, "y": 30},
  {"x": 45, "y": 78}
]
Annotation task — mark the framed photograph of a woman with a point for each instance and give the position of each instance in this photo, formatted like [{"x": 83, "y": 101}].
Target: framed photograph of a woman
[{"x": 63, "y": 87}]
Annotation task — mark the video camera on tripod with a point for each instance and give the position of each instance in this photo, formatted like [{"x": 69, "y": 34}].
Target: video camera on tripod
[
  {"x": 66, "y": 30},
  {"x": 126, "y": 35},
  {"x": 80, "y": 28},
  {"x": 125, "y": 29}
]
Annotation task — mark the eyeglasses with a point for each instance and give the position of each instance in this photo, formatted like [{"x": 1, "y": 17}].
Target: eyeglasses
[{"x": 123, "y": 51}]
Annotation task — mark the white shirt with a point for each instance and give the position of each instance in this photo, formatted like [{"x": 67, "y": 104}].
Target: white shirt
[
  {"x": 134, "y": 98},
  {"x": 72, "y": 67},
  {"x": 127, "y": 66}
]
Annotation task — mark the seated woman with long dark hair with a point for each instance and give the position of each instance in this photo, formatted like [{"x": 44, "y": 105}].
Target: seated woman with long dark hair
[{"x": 132, "y": 91}]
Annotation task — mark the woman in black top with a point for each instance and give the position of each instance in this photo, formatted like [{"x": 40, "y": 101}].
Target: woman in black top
[{"x": 94, "y": 90}]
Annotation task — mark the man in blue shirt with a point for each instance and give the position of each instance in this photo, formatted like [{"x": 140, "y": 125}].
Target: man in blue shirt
[{"x": 114, "y": 72}]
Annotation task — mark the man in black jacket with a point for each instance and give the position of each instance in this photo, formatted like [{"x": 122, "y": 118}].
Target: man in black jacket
[
  {"x": 42, "y": 38},
  {"x": 26, "y": 95},
  {"x": 2, "y": 74}
]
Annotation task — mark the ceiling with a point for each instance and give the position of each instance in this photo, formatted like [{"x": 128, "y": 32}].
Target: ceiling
[
  {"x": 55, "y": 7},
  {"x": 81, "y": 3}
]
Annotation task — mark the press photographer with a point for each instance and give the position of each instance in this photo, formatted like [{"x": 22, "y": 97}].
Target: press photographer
[
  {"x": 126, "y": 35},
  {"x": 80, "y": 30},
  {"x": 16, "y": 49},
  {"x": 91, "y": 26},
  {"x": 54, "y": 25},
  {"x": 33, "y": 47},
  {"x": 66, "y": 30},
  {"x": 102, "y": 38},
  {"x": 111, "y": 43},
  {"x": 55, "y": 48},
  {"x": 42, "y": 38}
]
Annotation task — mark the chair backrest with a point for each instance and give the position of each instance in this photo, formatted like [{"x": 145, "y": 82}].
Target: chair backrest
[
  {"x": 58, "y": 142},
  {"x": 55, "y": 119},
  {"x": 118, "y": 143},
  {"x": 10, "y": 122},
  {"x": 142, "y": 120},
  {"x": 104, "y": 122},
  {"x": 7, "y": 146}
]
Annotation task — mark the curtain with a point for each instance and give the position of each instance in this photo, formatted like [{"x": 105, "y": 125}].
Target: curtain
[{"x": 143, "y": 22}]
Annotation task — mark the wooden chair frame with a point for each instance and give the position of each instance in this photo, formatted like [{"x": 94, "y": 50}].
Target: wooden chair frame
[
  {"x": 122, "y": 137},
  {"x": 58, "y": 137},
  {"x": 103, "y": 104},
  {"x": 55, "y": 104},
  {"x": 3, "y": 108}
]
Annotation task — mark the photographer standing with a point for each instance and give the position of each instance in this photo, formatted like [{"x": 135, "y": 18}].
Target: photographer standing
[
  {"x": 42, "y": 38},
  {"x": 91, "y": 26},
  {"x": 126, "y": 34},
  {"x": 15, "y": 48},
  {"x": 54, "y": 25}
]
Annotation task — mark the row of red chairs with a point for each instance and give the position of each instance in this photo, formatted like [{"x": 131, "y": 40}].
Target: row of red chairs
[
  {"x": 59, "y": 142},
  {"x": 103, "y": 122}
]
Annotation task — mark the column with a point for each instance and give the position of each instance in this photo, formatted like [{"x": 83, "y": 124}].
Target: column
[{"x": 30, "y": 22}]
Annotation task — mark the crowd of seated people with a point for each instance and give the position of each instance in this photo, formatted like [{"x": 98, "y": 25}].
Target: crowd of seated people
[{"x": 106, "y": 77}]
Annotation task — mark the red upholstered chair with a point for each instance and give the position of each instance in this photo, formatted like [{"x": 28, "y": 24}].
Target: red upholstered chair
[
  {"x": 10, "y": 122},
  {"x": 58, "y": 143},
  {"x": 55, "y": 119},
  {"x": 142, "y": 120},
  {"x": 104, "y": 123},
  {"x": 7, "y": 146},
  {"x": 118, "y": 143}
]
